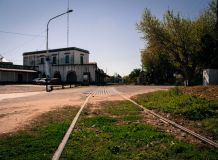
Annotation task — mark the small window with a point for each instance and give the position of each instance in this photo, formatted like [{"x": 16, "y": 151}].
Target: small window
[
  {"x": 67, "y": 58},
  {"x": 42, "y": 60},
  {"x": 25, "y": 60},
  {"x": 54, "y": 60},
  {"x": 81, "y": 58},
  {"x": 72, "y": 59}
]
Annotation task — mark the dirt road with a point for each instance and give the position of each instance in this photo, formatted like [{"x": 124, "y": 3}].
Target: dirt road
[{"x": 20, "y": 104}]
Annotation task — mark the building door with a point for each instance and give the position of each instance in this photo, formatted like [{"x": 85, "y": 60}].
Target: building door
[
  {"x": 20, "y": 78},
  {"x": 57, "y": 75},
  {"x": 71, "y": 77}
]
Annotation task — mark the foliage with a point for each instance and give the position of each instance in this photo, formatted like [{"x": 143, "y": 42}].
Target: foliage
[
  {"x": 158, "y": 68},
  {"x": 134, "y": 75},
  {"x": 116, "y": 78},
  {"x": 183, "y": 42},
  {"x": 111, "y": 135},
  {"x": 41, "y": 139},
  {"x": 132, "y": 78}
]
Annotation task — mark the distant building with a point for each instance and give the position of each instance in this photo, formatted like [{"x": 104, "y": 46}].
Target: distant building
[
  {"x": 10, "y": 73},
  {"x": 210, "y": 77},
  {"x": 70, "y": 65}
]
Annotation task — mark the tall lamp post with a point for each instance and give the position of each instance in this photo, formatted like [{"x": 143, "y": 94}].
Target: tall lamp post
[{"x": 47, "y": 37}]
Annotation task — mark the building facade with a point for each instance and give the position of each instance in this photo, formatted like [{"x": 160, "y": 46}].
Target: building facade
[
  {"x": 10, "y": 73},
  {"x": 70, "y": 65}
]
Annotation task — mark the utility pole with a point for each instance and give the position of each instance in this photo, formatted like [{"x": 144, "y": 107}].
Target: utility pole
[
  {"x": 47, "y": 51},
  {"x": 68, "y": 4}
]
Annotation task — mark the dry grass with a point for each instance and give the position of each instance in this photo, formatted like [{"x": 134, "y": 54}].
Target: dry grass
[{"x": 208, "y": 92}]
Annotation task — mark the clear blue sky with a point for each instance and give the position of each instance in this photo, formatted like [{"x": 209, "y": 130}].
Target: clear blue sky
[{"x": 107, "y": 28}]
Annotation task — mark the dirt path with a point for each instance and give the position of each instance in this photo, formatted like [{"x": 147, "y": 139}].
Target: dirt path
[{"x": 19, "y": 107}]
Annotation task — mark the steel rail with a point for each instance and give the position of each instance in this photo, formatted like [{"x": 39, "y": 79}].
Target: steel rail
[
  {"x": 200, "y": 137},
  {"x": 61, "y": 146}
]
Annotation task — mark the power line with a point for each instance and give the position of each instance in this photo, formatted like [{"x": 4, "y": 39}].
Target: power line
[
  {"x": 24, "y": 43},
  {"x": 21, "y": 34}
]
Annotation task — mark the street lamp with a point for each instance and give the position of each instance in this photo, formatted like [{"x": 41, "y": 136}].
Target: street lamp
[
  {"x": 47, "y": 37},
  {"x": 50, "y": 21}
]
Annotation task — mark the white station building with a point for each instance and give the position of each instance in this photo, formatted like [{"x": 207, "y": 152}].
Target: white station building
[{"x": 70, "y": 65}]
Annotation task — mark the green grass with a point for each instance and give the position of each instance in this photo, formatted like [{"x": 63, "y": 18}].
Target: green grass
[
  {"x": 211, "y": 125},
  {"x": 193, "y": 108},
  {"x": 117, "y": 133},
  {"x": 40, "y": 139}
]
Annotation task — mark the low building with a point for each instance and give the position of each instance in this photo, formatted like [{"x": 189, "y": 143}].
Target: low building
[
  {"x": 10, "y": 73},
  {"x": 70, "y": 65},
  {"x": 210, "y": 77}
]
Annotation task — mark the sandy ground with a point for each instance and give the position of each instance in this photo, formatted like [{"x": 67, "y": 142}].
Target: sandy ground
[{"x": 19, "y": 104}]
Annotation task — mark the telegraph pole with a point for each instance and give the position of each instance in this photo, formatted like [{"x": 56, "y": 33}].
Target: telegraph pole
[{"x": 68, "y": 23}]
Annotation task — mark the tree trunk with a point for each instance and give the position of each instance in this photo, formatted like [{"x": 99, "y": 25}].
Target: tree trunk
[{"x": 188, "y": 74}]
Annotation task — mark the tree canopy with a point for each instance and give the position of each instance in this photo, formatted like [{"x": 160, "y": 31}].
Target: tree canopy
[{"x": 179, "y": 45}]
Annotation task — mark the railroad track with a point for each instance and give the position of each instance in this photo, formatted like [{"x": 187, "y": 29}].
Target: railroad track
[{"x": 102, "y": 91}]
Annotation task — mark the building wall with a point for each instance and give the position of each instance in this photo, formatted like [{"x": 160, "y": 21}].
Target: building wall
[
  {"x": 20, "y": 77},
  {"x": 74, "y": 58},
  {"x": 64, "y": 70}
]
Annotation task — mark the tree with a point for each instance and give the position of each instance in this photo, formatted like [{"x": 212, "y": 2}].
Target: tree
[
  {"x": 158, "y": 69},
  {"x": 116, "y": 78},
  {"x": 134, "y": 75},
  {"x": 178, "y": 39}
]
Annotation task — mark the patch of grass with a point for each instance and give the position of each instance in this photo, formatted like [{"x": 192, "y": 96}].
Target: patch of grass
[
  {"x": 194, "y": 108},
  {"x": 176, "y": 102},
  {"x": 40, "y": 139},
  {"x": 132, "y": 118},
  {"x": 211, "y": 125},
  {"x": 121, "y": 109},
  {"x": 98, "y": 121},
  {"x": 108, "y": 136}
]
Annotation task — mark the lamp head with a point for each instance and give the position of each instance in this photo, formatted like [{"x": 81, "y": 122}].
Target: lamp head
[{"x": 69, "y": 11}]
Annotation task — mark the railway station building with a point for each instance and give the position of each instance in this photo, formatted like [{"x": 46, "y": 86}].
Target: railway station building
[{"x": 70, "y": 65}]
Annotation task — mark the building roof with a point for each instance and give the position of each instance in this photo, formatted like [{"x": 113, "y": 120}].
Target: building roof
[
  {"x": 17, "y": 70},
  {"x": 57, "y": 50}
]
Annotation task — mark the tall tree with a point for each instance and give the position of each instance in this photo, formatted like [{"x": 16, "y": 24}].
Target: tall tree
[
  {"x": 178, "y": 38},
  {"x": 208, "y": 23},
  {"x": 158, "y": 69}
]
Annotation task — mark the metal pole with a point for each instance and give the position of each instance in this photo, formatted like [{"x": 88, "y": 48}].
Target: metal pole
[
  {"x": 47, "y": 90},
  {"x": 68, "y": 11},
  {"x": 68, "y": 4}
]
